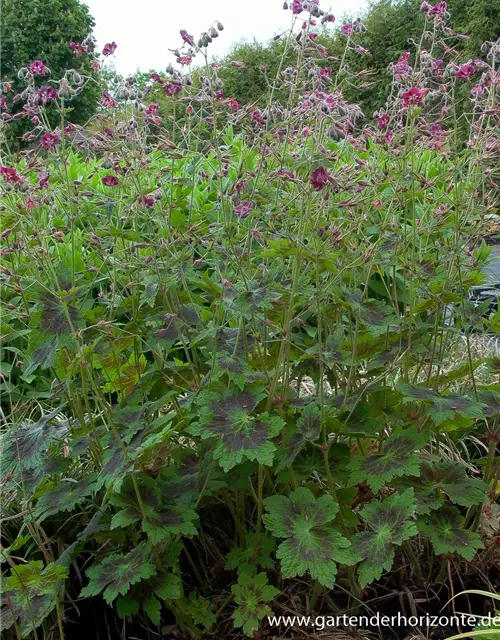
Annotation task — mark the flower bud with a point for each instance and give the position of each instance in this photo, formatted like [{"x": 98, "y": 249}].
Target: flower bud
[{"x": 220, "y": 26}]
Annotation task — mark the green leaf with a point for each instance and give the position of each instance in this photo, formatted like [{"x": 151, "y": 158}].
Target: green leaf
[
  {"x": 127, "y": 606},
  {"x": 159, "y": 525},
  {"x": 377, "y": 317},
  {"x": 397, "y": 458},
  {"x": 251, "y": 594},
  {"x": 445, "y": 529},
  {"x": 241, "y": 434},
  {"x": 441, "y": 408},
  {"x": 152, "y": 606},
  {"x": 311, "y": 543},
  {"x": 30, "y": 595},
  {"x": 389, "y": 524},
  {"x": 447, "y": 407},
  {"x": 24, "y": 446},
  {"x": 200, "y": 610},
  {"x": 64, "y": 497},
  {"x": 158, "y": 520},
  {"x": 115, "y": 574},
  {"x": 236, "y": 369},
  {"x": 168, "y": 587},
  {"x": 444, "y": 478}
]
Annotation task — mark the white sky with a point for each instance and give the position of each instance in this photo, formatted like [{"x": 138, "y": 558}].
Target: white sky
[{"x": 145, "y": 30}]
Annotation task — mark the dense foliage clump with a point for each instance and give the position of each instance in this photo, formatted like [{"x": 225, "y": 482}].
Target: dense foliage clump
[{"x": 226, "y": 380}]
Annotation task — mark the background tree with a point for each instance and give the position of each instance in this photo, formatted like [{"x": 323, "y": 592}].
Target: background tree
[{"x": 43, "y": 30}]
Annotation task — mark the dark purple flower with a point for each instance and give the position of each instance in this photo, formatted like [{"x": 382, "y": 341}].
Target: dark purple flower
[
  {"x": 383, "y": 121},
  {"x": 172, "y": 88},
  {"x": 157, "y": 78},
  {"x": 231, "y": 102},
  {"x": 436, "y": 67},
  {"x": 9, "y": 174},
  {"x": 258, "y": 116},
  {"x": 478, "y": 90},
  {"x": 109, "y": 49},
  {"x": 244, "y": 209},
  {"x": 152, "y": 108},
  {"x": 466, "y": 71},
  {"x": 45, "y": 94},
  {"x": 439, "y": 10},
  {"x": 187, "y": 38},
  {"x": 49, "y": 140},
  {"x": 147, "y": 201},
  {"x": 414, "y": 96},
  {"x": 110, "y": 181},
  {"x": 43, "y": 179},
  {"x": 78, "y": 48},
  {"x": 319, "y": 178},
  {"x": 37, "y": 68},
  {"x": 402, "y": 68}
]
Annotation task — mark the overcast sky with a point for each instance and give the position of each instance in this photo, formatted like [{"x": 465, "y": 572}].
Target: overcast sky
[{"x": 145, "y": 30}]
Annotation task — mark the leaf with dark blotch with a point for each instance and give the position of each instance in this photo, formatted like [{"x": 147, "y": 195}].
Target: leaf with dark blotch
[
  {"x": 116, "y": 465},
  {"x": 446, "y": 407},
  {"x": 189, "y": 314},
  {"x": 29, "y": 595},
  {"x": 169, "y": 332},
  {"x": 251, "y": 299},
  {"x": 308, "y": 429},
  {"x": 490, "y": 399},
  {"x": 64, "y": 497},
  {"x": 116, "y": 573},
  {"x": 236, "y": 369},
  {"x": 126, "y": 498},
  {"x": 332, "y": 351},
  {"x": 57, "y": 317},
  {"x": 415, "y": 393},
  {"x": 190, "y": 477},
  {"x": 445, "y": 528},
  {"x": 444, "y": 478},
  {"x": 377, "y": 317},
  {"x": 311, "y": 543},
  {"x": 26, "y": 445},
  {"x": 389, "y": 524},
  {"x": 133, "y": 418},
  {"x": 160, "y": 525},
  {"x": 233, "y": 341},
  {"x": 43, "y": 355},
  {"x": 397, "y": 458},
  {"x": 441, "y": 408},
  {"x": 241, "y": 434}
]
